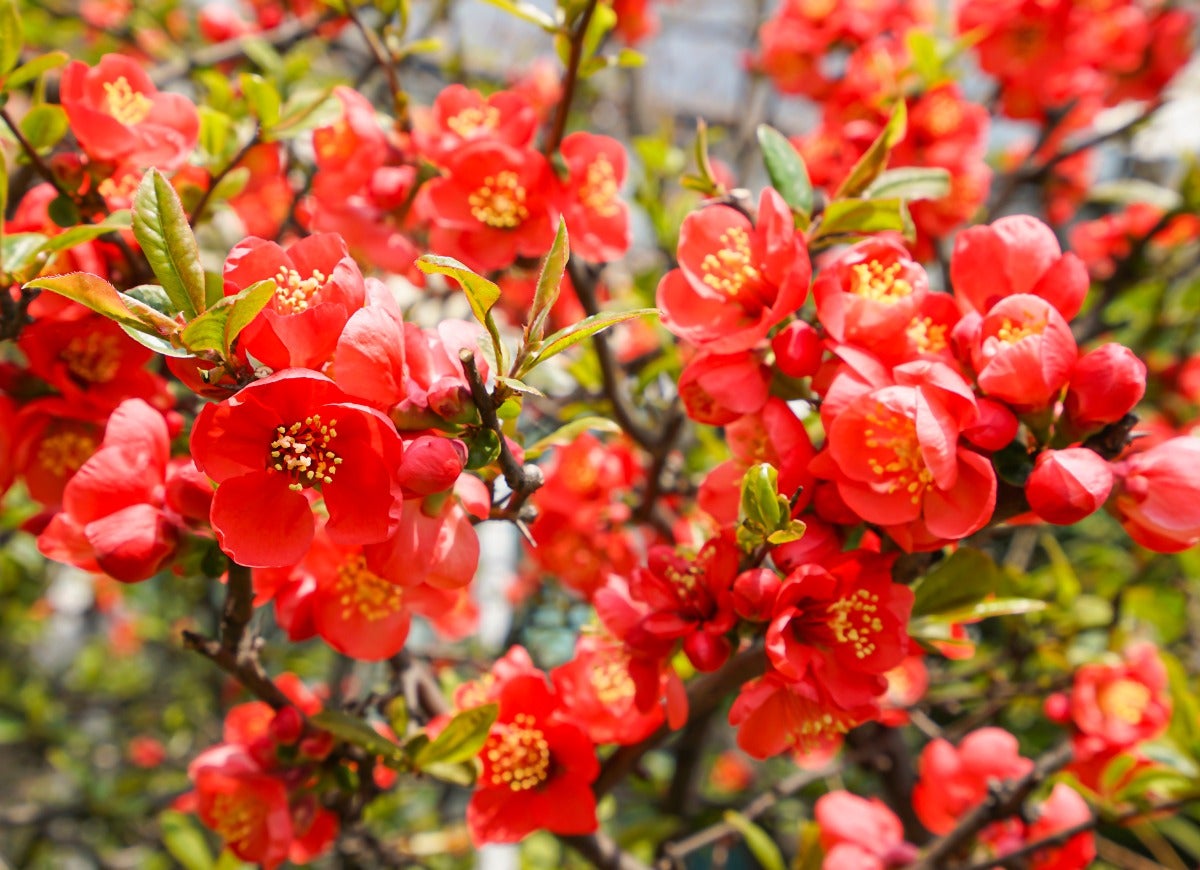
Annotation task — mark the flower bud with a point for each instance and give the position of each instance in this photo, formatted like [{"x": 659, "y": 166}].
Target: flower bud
[
  {"x": 287, "y": 726},
  {"x": 754, "y": 594},
  {"x": 1105, "y": 385},
  {"x": 798, "y": 348},
  {"x": 317, "y": 746},
  {"x": 1068, "y": 485},
  {"x": 994, "y": 428},
  {"x": 1158, "y": 496},
  {"x": 431, "y": 464}
]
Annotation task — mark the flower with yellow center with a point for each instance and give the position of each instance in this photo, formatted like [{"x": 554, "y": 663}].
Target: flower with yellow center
[
  {"x": 598, "y": 193},
  {"x": 872, "y": 280},
  {"x": 896, "y": 452},
  {"x": 93, "y": 358},
  {"x": 361, "y": 592},
  {"x": 517, "y": 755},
  {"x": 293, "y": 293},
  {"x": 126, "y": 105},
  {"x": 500, "y": 201},
  {"x": 302, "y": 452},
  {"x": 65, "y": 452}
]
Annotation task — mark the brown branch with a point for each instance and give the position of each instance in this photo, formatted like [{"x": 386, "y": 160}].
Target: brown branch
[
  {"x": 1003, "y": 801},
  {"x": 570, "y": 78},
  {"x": 39, "y": 165},
  {"x": 603, "y": 852},
  {"x": 198, "y": 211},
  {"x": 523, "y": 480},
  {"x": 384, "y": 61}
]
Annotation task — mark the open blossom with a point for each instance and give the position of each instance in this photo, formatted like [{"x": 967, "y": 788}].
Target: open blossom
[
  {"x": 1158, "y": 495},
  {"x": 317, "y": 287},
  {"x": 601, "y": 694},
  {"x": 118, "y": 114},
  {"x": 460, "y": 115},
  {"x": 860, "y": 833},
  {"x": 292, "y": 431},
  {"x": 597, "y": 218},
  {"x": 735, "y": 279},
  {"x": 953, "y": 780},
  {"x": 537, "y": 768}
]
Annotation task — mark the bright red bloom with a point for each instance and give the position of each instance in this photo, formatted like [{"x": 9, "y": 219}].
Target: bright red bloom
[
  {"x": 246, "y": 807},
  {"x": 118, "y": 115},
  {"x": 537, "y": 769},
  {"x": 8, "y": 431},
  {"x": 1158, "y": 495},
  {"x": 1012, "y": 256},
  {"x": 774, "y": 714},
  {"x": 461, "y": 115},
  {"x": 735, "y": 279},
  {"x": 955, "y": 780},
  {"x": 1068, "y": 485},
  {"x": 600, "y": 694},
  {"x": 719, "y": 388},
  {"x": 317, "y": 287},
  {"x": 869, "y": 294},
  {"x": 53, "y": 439},
  {"x": 1105, "y": 385},
  {"x": 1063, "y": 809},
  {"x": 263, "y": 204},
  {"x": 860, "y": 834},
  {"x": 597, "y": 218},
  {"x": 1022, "y": 351},
  {"x": 118, "y": 516},
  {"x": 493, "y": 205},
  {"x": 906, "y": 685},
  {"x": 1115, "y": 707},
  {"x": 848, "y": 613},
  {"x": 278, "y": 436}
]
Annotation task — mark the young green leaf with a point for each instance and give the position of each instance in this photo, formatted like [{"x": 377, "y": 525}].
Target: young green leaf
[
  {"x": 27, "y": 72},
  {"x": 572, "y": 335},
  {"x": 356, "y": 731},
  {"x": 862, "y": 217},
  {"x": 549, "y": 284},
  {"x": 964, "y": 579},
  {"x": 911, "y": 182},
  {"x": 873, "y": 162},
  {"x": 93, "y": 292},
  {"x": 460, "y": 740},
  {"x": 44, "y": 126},
  {"x": 161, "y": 227},
  {"x": 758, "y": 841},
  {"x": 568, "y": 433},
  {"x": 786, "y": 169},
  {"x": 12, "y": 38},
  {"x": 528, "y": 12},
  {"x": 482, "y": 294},
  {"x": 118, "y": 220},
  {"x": 184, "y": 841}
]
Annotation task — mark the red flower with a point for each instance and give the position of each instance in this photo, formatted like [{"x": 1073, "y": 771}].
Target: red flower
[
  {"x": 719, "y": 388},
  {"x": 597, "y": 218},
  {"x": 493, "y": 205},
  {"x": 278, "y": 436},
  {"x": 118, "y": 115},
  {"x": 860, "y": 834},
  {"x": 317, "y": 287},
  {"x": 1068, "y": 485},
  {"x": 598, "y": 690},
  {"x": 1158, "y": 495},
  {"x": 461, "y": 115},
  {"x": 1105, "y": 385},
  {"x": 1063, "y": 809},
  {"x": 953, "y": 781},
  {"x": 1012, "y": 256},
  {"x": 114, "y": 518},
  {"x": 735, "y": 279},
  {"x": 54, "y": 438},
  {"x": 848, "y": 613},
  {"x": 537, "y": 769}
]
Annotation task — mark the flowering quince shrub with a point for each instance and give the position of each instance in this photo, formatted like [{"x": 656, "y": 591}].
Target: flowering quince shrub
[{"x": 395, "y": 461}]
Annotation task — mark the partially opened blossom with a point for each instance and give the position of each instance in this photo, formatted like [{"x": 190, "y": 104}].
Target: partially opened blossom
[
  {"x": 1067, "y": 485},
  {"x": 719, "y": 388},
  {"x": 736, "y": 279},
  {"x": 1062, "y": 810},
  {"x": 597, "y": 218},
  {"x": 292, "y": 431},
  {"x": 860, "y": 833},
  {"x": 1105, "y": 385},
  {"x": 1157, "y": 496},
  {"x": 119, "y": 115}
]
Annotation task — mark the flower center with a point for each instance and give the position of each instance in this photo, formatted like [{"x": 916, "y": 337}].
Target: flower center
[
  {"x": 518, "y": 754},
  {"x": 731, "y": 269},
  {"x": 500, "y": 202},
  {"x": 302, "y": 452},
  {"x": 853, "y": 620},
  {"x": 896, "y": 434},
  {"x": 598, "y": 193},
  {"x": 236, "y": 818},
  {"x": 1125, "y": 700},
  {"x": 815, "y": 10},
  {"x": 945, "y": 116},
  {"x": 611, "y": 680},
  {"x": 294, "y": 294},
  {"x": 64, "y": 452},
  {"x": 474, "y": 119},
  {"x": 929, "y": 337},
  {"x": 125, "y": 104},
  {"x": 93, "y": 358},
  {"x": 361, "y": 590},
  {"x": 872, "y": 280},
  {"x": 1011, "y": 333}
]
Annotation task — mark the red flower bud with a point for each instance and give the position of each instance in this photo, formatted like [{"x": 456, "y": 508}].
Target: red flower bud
[
  {"x": 432, "y": 464},
  {"x": 287, "y": 726},
  {"x": 1105, "y": 385},
  {"x": 994, "y": 429},
  {"x": 1068, "y": 485},
  {"x": 798, "y": 348},
  {"x": 317, "y": 746},
  {"x": 754, "y": 594}
]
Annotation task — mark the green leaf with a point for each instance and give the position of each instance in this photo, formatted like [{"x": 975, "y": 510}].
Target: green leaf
[
  {"x": 215, "y": 129},
  {"x": 27, "y": 72},
  {"x": 12, "y": 38},
  {"x": 44, "y": 126},
  {"x": 991, "y": 607},
  {"x": 911, "y": 182},
  {"x": 95, "y": 293},
  {"x": 463, "y": 773},
  {"x": 758, "y": 841},
  {"x": 303, "y": 112},
  {"x": 572, "y": 335},
  {"x": 246, "y": 306},
  {"x": 549, "y": 284},
  {"x": 873, "y": 162},
  {"x": 567, "y": 434},
  {"x": 354, "y": 730},
  {"x": 926, "y": 59},
  {"x": 481, "y": 293},
  {"x": 528, "y": 12},
  {"x": 263, "y": 99},
  {"x": 519, "y": 386},
  {"x": 460, "y": 740},
  {"x": 760, "y": 497},
  {"x": 1128, "y": 191},
  {"x": 603, "y": 20},
  {"x": 786, "y": 169},
  {"x": 20, "y": 252},
  {"x": 863, "y": 217},
  {"x": 161, "y": 227},
  {"x": 793, "y": 532},
  {"x": 118, "y": 220},
  {"x": 185, "y": 841},
  {"x": 962, "y": 580}
]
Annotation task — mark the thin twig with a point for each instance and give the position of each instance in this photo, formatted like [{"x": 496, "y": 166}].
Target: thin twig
[
  {"x": 198, "y": 211},
  {"x": 570, "y": 78},
  {"x": 384, "y": 61}
]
